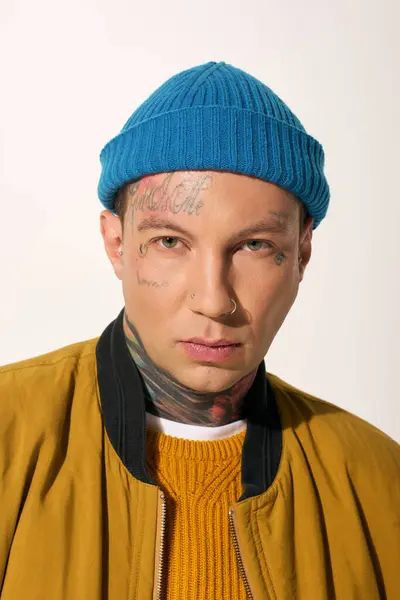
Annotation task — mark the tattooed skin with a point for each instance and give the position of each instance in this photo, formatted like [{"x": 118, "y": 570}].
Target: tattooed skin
[
  {"x": 168, "y": 398},
  {"x": 279, "y": 258},
  {"x": 154, "y": 284},
  {"x": 181, "y": 198},
  {"x": 142, "y": 250}
]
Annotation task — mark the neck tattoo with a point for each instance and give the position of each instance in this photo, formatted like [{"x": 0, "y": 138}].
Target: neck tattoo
[{"x": 166, "y": 397}]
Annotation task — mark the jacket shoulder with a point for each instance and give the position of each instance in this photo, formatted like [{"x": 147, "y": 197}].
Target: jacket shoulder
[
  {"x": 335, "y": 432},
  {"x": 46, "y": 409},
  {"x": 37, "y": 386},
  {"x": 72, "y": 351}
]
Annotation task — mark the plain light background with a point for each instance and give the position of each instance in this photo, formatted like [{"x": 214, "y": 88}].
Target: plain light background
[{"x": 72, "y": 73}]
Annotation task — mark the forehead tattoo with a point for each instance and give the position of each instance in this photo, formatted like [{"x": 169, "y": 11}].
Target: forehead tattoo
[{"x": 181, "y": 198}]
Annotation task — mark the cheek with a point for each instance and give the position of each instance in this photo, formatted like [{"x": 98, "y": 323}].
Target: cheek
[
  {"x": 151, "y": 287},
  {"x": 269, "y": 299}
]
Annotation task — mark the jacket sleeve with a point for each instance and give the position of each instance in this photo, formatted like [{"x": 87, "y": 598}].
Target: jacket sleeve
[{"x": 18, "y": 452}]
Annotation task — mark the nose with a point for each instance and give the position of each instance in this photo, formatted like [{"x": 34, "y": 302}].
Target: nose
[{"x": 210, "y": 292}]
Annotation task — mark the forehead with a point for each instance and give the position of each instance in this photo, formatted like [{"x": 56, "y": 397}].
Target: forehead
[{"x": 220, "y": 199}]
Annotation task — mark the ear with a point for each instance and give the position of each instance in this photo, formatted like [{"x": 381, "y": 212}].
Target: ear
[
  {"x": 111, "y": 230},
  {"x": 305, "y": 248}
]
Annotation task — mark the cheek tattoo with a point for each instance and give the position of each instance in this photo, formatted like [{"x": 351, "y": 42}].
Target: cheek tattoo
[
  {"x": 279, "y": 258},
  {"x": 153, "y": 284},
  {"x": 142, "y": 250}
]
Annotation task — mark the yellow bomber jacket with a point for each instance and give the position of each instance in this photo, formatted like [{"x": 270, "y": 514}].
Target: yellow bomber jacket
[{"x": 80, "y": 518}]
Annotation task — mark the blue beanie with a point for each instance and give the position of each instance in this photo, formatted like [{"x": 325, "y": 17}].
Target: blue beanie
[{"x": 217, "y": 117}]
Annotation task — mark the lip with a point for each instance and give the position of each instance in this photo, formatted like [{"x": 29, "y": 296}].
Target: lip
[
  {"x": 210, "y": 353},
  {"x": 211, "y": 343}
]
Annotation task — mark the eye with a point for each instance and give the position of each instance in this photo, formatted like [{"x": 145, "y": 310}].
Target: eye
[
  {"x": 256, "y": 245},
  {"x": 168, "y": 242}
]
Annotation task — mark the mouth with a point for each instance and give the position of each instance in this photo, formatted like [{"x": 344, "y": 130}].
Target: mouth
[
  {"x": 211, "y": 343},
  {"x": 210, "y": 350}
]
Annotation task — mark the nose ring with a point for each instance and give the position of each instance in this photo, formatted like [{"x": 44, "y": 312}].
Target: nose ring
[
  {"x": 234, "y": 308},
  {"x": 227, "y": 313}
]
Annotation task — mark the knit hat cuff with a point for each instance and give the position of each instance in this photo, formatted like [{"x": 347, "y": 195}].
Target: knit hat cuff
[{"x": 218, "y": 138}]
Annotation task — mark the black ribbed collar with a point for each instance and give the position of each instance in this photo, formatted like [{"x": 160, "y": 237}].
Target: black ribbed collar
[{"x": 123, "y": 406}]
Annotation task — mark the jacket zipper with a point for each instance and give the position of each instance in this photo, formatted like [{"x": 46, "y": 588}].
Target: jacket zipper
[
  {"x": 238, "y": 555},
  {"x": 162, "y": 544}
]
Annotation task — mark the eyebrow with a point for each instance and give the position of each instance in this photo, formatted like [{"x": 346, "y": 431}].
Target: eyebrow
[{"x": 276, "y": 223}]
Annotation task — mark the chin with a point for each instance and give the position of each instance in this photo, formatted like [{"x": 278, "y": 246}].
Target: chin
[{"x": 208, "y": 378}]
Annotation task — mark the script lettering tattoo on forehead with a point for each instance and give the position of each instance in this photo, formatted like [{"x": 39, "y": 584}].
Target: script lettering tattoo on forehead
[{"x": 183, "y": 198}]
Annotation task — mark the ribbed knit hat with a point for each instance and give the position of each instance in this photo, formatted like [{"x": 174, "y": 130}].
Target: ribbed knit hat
[{"x": 217, "y": 117}]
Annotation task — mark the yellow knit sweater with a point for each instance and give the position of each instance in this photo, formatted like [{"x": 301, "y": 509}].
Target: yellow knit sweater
[{"x": 201, "y": 480}]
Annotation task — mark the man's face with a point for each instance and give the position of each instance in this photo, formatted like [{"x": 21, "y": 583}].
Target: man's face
[{"x": 218, "y": 236}]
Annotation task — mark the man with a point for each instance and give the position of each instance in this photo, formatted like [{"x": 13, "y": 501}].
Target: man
[{"x": 161, "y": 460}]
